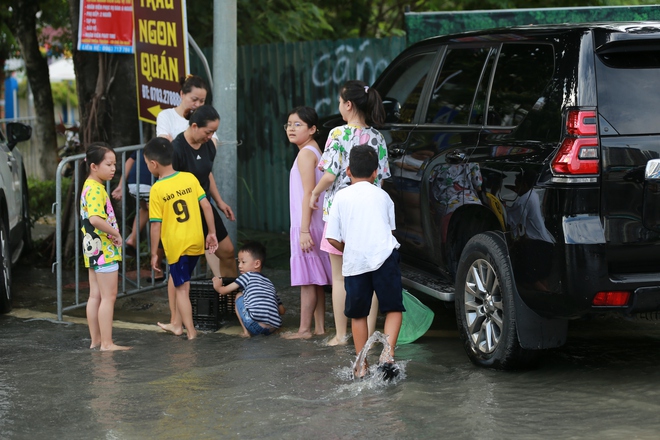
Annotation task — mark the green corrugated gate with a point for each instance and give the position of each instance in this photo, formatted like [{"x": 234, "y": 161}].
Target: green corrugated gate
[
  {"x": 273, "y": 79},
  {"x": 423, "y": 25}
]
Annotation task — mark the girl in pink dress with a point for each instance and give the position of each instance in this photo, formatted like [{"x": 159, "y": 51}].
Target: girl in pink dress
[{"x": 310, "y": 267}]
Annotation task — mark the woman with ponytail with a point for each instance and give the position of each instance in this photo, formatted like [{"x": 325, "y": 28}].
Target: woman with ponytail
[{"x": 362, "y": 109}]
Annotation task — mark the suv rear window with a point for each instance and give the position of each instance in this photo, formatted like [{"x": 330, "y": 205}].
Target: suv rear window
[
  {"x": 522, "y": 74},
  {"x": 454, "y": 89},
  {"x": 628, "y": 88},
  {"x": 408, "y": 79}
]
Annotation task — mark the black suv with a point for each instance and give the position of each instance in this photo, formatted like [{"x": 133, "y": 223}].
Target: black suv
[{"x": 526, "y": 177}]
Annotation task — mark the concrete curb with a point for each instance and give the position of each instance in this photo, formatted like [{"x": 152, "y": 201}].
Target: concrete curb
[{"x": 33, "y": 314}]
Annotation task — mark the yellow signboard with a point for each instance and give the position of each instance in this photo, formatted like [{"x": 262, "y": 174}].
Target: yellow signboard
[{"x": 161, "y": 54}]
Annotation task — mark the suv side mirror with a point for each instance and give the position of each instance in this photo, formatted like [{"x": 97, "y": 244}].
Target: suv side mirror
[
  {"x": 17, "y": 132},
  {"x": 392, "y": 110}
]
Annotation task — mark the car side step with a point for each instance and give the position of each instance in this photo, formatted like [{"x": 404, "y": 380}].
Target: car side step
[{"x": 427, "y": 283}]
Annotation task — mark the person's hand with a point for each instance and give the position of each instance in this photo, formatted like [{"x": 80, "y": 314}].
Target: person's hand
[
  {"x": 226, "y": 210},
  {"x": 118, "y": 192},
  {"x": 155, "y": 263},
  {"x": 116, "y": 239},
  {"x": 313, "y": 200},
  {"x": 306, "y": 242},
  {"x": 217, "y": 284},
  {"x": 211, "y": 243}
]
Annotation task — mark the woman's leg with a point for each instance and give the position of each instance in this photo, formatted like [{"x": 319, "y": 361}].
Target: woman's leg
[
  {"x": 131, "y": 240},
  {"x": 338, "y": 301},
  {"x": 225, "y": 253},
  {"x": 319, "y": 311},
  {"x": 308, "y": 303},
  {"x": 214, "y": 264},
  {"x": 92, "y": 309}
]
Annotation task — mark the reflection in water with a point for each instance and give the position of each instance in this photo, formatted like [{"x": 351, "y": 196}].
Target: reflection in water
[
  {"x": 106, "y": 387},
  {"x": 6, "y": 393},
  {"x": 600, "y": 385},
  {"x": 178, "y": 393}
]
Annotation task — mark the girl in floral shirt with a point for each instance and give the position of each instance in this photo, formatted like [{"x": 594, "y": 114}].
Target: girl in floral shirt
[
  {"x": 101, "y": 245},
  {"x": 362, "y": 109}
]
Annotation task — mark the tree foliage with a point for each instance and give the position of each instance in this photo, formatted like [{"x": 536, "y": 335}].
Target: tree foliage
[{"x": 268, "y": 21}]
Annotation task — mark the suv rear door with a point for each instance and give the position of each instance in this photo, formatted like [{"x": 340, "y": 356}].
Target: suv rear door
[
  {"x": 628, "y": 90},
  {"x": 437, "y": 152},
  {"x": 401, "y": 87}
]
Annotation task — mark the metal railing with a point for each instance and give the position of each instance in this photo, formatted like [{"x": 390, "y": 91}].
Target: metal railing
[{"x": 127, "y": 286}]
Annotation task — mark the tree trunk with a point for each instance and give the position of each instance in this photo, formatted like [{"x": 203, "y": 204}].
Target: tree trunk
[
  {"x": 106, "y": 93},
  {"x": 24, "y": 27},
  {"x": 107, "y": 105}
]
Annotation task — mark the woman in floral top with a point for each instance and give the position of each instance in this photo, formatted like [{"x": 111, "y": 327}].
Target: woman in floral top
[{"x": 362, "y": 109}]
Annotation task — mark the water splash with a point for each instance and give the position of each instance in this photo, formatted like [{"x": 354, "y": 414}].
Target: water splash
[
  {"x": 373, "y": 381},
  {"x": 385, "y": 358},
  {"x": 384, "y": 355}
]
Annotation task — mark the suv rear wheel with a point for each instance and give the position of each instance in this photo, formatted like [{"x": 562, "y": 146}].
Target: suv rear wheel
[
  {"x": 5, "y": 267},
  {"x": 485, "y": 308}
]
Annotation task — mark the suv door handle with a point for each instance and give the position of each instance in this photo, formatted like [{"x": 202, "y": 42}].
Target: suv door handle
[{"x": 395, "y": 152}]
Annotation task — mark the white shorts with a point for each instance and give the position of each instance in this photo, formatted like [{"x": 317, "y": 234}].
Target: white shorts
[
  {"x": 144, "y": 190},
  {"x": 114, "y": 267}
]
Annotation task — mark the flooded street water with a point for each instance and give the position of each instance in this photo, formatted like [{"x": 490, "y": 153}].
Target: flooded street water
[{"x": 603, "y": 384}]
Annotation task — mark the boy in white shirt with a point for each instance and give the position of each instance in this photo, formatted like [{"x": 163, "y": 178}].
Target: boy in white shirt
[{"x": 360, "y": 225}]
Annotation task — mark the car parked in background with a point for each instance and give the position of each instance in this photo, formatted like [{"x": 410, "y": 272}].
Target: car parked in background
[
  {"x": 519, "y": 162},
  {"x": 14, "y": 206}
]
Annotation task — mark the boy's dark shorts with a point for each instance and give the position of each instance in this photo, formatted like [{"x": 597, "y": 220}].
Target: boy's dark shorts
[
  {"x": 220, "y": 230},
  {"x": 385, "y": 281},
  {"x": 182, "y": 270}
]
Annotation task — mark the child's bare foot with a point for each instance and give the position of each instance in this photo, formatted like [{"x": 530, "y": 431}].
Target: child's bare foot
[
  {"x": 298, "y": 335},
  {"x": 177, "y": 331},
  {"x": 337, "y": 341},
  {"x": 115, "y": 347},
  {"x": 191, "y": 334},
  {"x": 360, "y": 372},
  {"x": 94, "y": 346},
  {"x": 319, "y": 332},
  {"x": 244, "y": 335}
]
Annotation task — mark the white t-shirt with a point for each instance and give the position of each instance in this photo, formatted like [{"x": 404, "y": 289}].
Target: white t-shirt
[
  {"x": 362, "y": 216},
  {"x": 171, "y": 123}
]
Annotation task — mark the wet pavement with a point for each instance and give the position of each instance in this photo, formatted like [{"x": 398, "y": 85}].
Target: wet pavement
[{"x": 603, "y": 384}]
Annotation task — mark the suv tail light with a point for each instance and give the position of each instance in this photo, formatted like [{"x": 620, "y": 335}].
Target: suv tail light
[
  {"x": 578, "y": 153},
  {"x": 617, "y": 298}
]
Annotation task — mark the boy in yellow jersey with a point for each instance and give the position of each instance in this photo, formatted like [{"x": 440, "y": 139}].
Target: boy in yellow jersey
[{"x": 176, "y": 219}]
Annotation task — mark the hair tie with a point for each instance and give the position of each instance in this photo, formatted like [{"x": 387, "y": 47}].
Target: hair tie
[
  {"x": 366, "y": 89},
  {"x": 188, "y": 76}
]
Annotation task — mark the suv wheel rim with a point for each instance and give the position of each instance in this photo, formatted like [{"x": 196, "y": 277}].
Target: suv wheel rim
[{"x": 483, "y": 306}]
